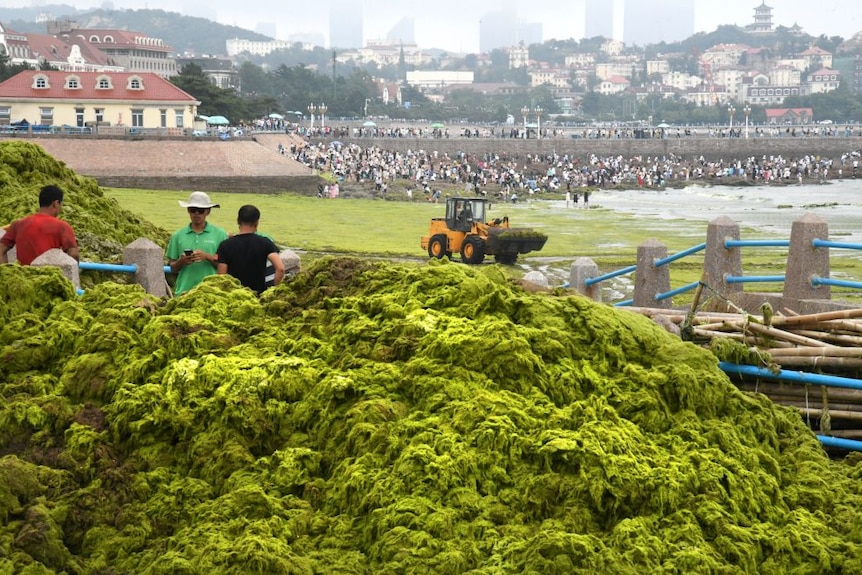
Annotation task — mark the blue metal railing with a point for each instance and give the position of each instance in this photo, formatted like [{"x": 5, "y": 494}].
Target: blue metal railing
[
  {"x": 818, "y": 243},
  {"x": 819, "y": 281},
  {"x": 692, "y": 250},
  {"x": 592, "y": 281},
  {"x": 677, "y": 291},
  {"x": 756, "y": 243},
  {"x": 753, "y": 279},
  {"x": 805, "y": 378}
]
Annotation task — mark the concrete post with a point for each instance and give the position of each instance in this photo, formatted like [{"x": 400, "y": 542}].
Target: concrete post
[
  {"x": 650, "y": 280},
  {"x": 805, "y": 261},
  {"x": 584, "y": 268},
  {"x": 60, "y": 259},
  {"x": 719, "y": 261},
  {"x": 150, "y": 259}
]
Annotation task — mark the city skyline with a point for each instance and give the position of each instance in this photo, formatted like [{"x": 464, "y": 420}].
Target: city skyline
[{"x": 455, "y": 26}]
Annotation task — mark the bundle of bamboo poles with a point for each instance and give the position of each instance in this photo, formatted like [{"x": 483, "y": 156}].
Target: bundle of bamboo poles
[{"x": 831, "y": 340}]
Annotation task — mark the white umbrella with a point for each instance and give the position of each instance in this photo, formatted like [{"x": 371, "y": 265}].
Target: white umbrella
[
  {"x": 275, "y": 116},
  {"x": 369, "y": 124},
  {"x": 218, "y": 121}
]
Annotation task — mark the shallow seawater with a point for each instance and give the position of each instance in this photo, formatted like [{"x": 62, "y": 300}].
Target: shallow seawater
[{"x": 771, "y": 209}]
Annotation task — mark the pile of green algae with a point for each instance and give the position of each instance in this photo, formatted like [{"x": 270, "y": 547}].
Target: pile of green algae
[{"x": 371, "y": 417}]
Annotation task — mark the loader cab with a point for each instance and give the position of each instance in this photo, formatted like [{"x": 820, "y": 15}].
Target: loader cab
[{"x": 461, "y": 213}]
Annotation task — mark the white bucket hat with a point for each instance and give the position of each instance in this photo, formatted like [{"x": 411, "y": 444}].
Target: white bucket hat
[{"x": 198, "y": 200}]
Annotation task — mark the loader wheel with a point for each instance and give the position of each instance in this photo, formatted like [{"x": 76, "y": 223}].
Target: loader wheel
[
  {"x": 506, "y": 259},
  {"x": 473, "y": 250},
  {"x": 437, "y": 247}
]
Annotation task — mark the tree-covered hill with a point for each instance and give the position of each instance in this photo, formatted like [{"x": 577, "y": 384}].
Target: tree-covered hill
[{"x": 183, "y": 33}]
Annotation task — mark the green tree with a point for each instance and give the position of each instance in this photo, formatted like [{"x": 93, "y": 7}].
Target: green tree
[
  {"x": 8, "y": 70},
  {"x": 215, "y": 101}
]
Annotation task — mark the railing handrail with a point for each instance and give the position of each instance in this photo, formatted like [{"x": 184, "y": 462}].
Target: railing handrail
[
  {"x": 679, "y": 255},
  {"x": 756, "y": 243}
]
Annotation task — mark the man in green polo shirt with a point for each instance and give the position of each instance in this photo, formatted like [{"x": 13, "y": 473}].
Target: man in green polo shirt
[{"x": 192, "y": 249}]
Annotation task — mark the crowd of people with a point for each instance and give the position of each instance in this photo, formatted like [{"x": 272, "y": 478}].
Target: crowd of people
[
  {"x": 613, "y": 131},
  {"x": 503, "y": 175}
]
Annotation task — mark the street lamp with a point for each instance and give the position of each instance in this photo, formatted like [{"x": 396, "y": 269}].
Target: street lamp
[
  {"x": 746, "y": 110},
  {"x": 366, "y": 106},
  {"x": 525, "y": 111},
  {"x": 322, "y": 109},
  {"x": 311, "y": 110},
  {"x": 731, "y": 110},
  {"x": 539, "y": 122}
]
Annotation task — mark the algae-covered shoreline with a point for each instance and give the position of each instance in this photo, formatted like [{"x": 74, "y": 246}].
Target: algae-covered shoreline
[{"x": 374, "y": 417}]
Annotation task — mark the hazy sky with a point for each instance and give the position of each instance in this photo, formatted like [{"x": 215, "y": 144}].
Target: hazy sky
[{"x": 453, "y": 25}]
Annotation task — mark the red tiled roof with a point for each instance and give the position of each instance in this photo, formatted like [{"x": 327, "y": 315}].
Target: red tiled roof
[
  {"x": 155, "y": 88},
  {"x": 778, "y": 112},
  {"x": 51, "y": 48},
  {"x": 119, "y": 39}
]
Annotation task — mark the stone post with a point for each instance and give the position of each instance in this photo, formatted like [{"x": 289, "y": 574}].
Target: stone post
[
  {"x": 804, "y": 261},
  {"x": 582, "y": 269},
  {"x": 650, "y": 280},
  {"x": 60, "y": 259},
  {"x": 719, "y": 261},
  {"x": 150, "y": 259}
]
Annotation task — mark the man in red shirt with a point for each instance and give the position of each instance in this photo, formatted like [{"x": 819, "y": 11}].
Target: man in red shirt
[{"x": 40, "y": 232}]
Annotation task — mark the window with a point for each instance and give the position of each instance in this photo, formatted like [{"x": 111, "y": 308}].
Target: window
[
  {"x": 103, "y": 83},
  {"x": 41, "y": 82},
  {"x": 73, "y": 83},
  {"x": 137, "y": 117},
  {"x": 135, "y": 83},
  {"x": 163, "y": 114},
  {"x": 79, "y": 117},
  {"x": 100, "y": 115},
  {"x": 46, "y": 116},
  {"x": 5, "y": 115},
  {"x": 180, "y": 118}
]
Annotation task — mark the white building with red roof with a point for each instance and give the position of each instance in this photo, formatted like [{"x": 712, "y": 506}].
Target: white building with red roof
[
  {"x": 59, "y": 98},
  {"x": 132, "y": 51}
]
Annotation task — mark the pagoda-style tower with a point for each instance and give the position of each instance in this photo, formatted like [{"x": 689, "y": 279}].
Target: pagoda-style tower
[{"x": 762, "y": 20}]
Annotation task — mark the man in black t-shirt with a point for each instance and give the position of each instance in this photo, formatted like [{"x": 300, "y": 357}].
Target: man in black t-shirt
[{"x": 244, "y": 256}]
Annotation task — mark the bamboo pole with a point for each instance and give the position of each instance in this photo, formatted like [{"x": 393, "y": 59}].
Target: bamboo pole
[
  {"x": 797, "y": 390},
  {"x": 846, "y": 415},
  {"x": 815, "y": 362},
  {"x": 817, "y": 352},
  {"x": 786, "y": 335},
  {"x": 818, "y": 317}
]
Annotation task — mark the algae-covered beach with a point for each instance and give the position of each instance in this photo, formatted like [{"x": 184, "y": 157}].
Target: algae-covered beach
[{"x": 379, "y": 417}]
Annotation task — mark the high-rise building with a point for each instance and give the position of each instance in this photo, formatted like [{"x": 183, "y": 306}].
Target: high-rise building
[
  {"x": 657, "y": 21},
  {"x": 403, "y": 31},
  {"x": 599, "y": 19},
  {"x": 345, "y": 24},
  {"x": 497, "y": 30}
]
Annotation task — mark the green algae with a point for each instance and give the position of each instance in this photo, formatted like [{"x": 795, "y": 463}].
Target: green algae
[{"x": 372, "y": 417}]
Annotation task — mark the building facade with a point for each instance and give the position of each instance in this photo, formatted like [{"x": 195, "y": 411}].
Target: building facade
[{"x": 82, "y": 99}]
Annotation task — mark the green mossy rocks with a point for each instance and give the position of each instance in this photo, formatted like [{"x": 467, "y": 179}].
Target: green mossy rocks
[{"x": 370, "y": 418}]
